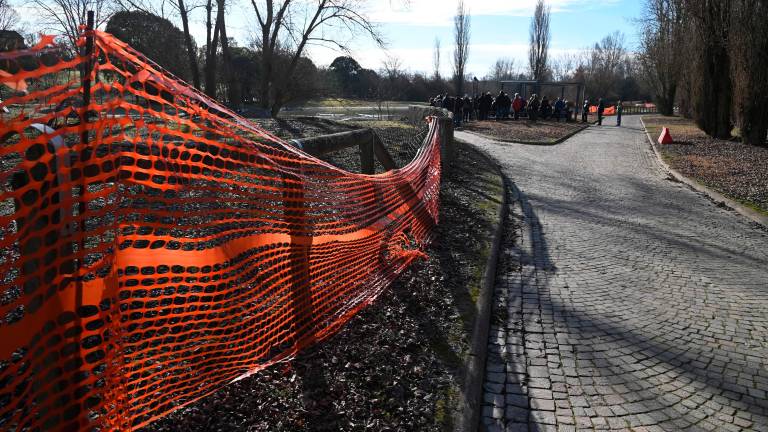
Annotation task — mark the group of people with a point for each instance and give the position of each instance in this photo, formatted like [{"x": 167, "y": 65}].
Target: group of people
[
  {"x": 619, "y": 109},
  {"x": 461, "y": 107},
  {"x": 544, "y": 109},
  {"x": 503, "y": 107}
]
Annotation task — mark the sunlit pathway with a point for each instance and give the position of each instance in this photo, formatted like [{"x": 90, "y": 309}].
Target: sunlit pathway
[{"x": 628, "y": 302}]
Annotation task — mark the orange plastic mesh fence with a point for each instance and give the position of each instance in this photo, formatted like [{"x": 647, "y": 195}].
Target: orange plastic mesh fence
[
  {"x": 608, "y": 111},
  {"x": 156, "y": 246}
]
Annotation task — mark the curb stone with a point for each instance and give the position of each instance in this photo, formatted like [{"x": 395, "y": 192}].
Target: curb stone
[
  {"x": 713, "y": 195},
  {"x": 469, "y": 406}
]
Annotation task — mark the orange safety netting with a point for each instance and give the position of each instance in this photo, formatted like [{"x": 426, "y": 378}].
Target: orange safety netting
[
  {"x": 156, "y": 246},
  {"x": 608, "y": 111}
]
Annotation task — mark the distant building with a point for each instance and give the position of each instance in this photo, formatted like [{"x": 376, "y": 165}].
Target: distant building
[{"x": 11, "y": 40}]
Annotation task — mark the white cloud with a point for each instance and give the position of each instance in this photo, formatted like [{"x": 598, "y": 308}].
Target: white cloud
[{"x": 441, "y": 12}]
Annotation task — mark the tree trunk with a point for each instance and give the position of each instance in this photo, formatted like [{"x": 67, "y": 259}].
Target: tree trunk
[
  {"x": 233, "y": 93},
  {"x": 713, "y": 106},
  {"x": 281, "y": 81},
  {"x": 713, "y": 101},
  {"x": 277, "y": 105},
  {"x": 750, "y": 61},
  {"x": 266, "y": 72},
  {"x": 666, "y": 101},
  {"x": 756, "y": 127},
  {"x": 191, "y": 54},
  {"x": 210, "y": 58}
]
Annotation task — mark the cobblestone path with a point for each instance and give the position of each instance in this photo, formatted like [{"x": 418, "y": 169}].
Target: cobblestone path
[{"x": 628, "y": 301}]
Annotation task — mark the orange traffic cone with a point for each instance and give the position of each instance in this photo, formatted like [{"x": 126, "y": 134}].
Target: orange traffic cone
[{"x": 665, "y": 137}]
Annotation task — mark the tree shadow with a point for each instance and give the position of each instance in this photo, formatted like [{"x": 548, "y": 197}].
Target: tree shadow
[{"x": 685, "y": 359}]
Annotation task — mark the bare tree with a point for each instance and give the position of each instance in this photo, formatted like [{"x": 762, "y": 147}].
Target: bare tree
[
  {"x": 161, "y": 8},
  {"x": 436, "y": 59},
  {"x": 461, "y": 32},
  {"x": 164, "y": 9},
  {"x": 8, "y": 16},
  {"x": 233, "y": 94},
  {"x": 606, "y": 66},
  {"x": 212, "y": 33},
  {"x": 66, "y": 16},
  {"x": 503, "y": 69},
  {"x": 563, "y": 66},
  {"x": 708, "y": 37},
  {"x": 539, "y": 42},
  {"x": 296, "y": 24},
  {"x": 191, "y": 50},
  {"x": 391, "y": 86},
  {"x": 750, "y": 69},
  {"x": 661, "y": 50},
  {"x": 392, "y": 67}
]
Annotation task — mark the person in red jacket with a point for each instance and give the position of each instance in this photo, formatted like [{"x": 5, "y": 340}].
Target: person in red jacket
[{"x": 517, "y": 105}]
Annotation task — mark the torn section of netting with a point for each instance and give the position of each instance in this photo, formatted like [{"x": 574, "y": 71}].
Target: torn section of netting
[{"x": 156, "y": 246}]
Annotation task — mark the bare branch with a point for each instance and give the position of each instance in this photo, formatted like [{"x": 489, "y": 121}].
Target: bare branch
[
  {"x": 461, "y": 31},
  {"x": 289, "y": 26},
  {"x": 539, "y": 42}
]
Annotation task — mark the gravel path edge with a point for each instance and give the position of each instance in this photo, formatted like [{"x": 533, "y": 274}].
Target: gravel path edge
[
  {"x": 715, "y": 196},
  {"x": 470, "y": 401}
]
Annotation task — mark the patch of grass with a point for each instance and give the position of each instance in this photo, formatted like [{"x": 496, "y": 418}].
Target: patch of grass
[
  {"x": 677, "y": 126},
  {"x": 379, "y": 124},
  {"x": 350, "y": 103},
  {"x": 443, "y": 408},
  {"x": 476, "y": 190},
  {"x": 475, "y": 285},
  {"x": 337, "y": 103},
  {"x": 750, "y": 204}
]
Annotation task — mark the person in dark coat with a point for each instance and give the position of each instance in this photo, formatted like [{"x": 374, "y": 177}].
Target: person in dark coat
[
  {"x": 458, "y": 111},
  {"x": 545, "y": 108},
  {"x": 619, "y": 109},
  {"x": 600, "y": 111},
  {"x": 585, "y": 111},
  {"x": 559, "y": 109},
  {"x": 533, "y": 107},
  {"x": 467, "y": 108},
  {"x": 507, "y": 105},
  {"x": 485, "y": 105},
  {"x": 489, "y": 102},
  {"x": 447, "y": 103},
  {"x": 499, "y": 105}
]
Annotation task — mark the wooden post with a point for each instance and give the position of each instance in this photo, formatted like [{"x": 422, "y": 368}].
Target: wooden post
[
  {"x": 83, "y": 153},
  {"x": 366, "y": 155},
  {"x": 446, "y": 143},
  {"x": 382, "y": 154}
]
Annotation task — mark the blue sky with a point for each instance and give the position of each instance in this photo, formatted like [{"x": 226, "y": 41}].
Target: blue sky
[{"x": 499, "y": 29}]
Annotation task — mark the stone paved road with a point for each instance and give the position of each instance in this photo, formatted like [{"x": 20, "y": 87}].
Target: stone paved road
[{"x": 628, "y": 302}]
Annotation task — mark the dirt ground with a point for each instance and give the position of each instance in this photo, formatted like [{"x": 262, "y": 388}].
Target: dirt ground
[
  {"x": 540, "y": 132},
  {"x": 737, "y": 170},
  {"x": 397, "y": 365}
]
